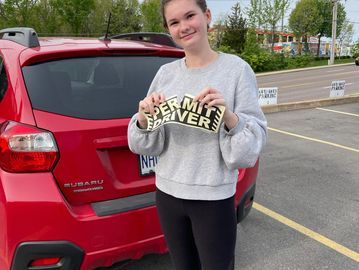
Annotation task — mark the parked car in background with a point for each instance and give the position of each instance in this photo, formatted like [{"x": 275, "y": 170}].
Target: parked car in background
[
  {"x": 72, "y": 194},
  {"x": 357, "y": 61}
]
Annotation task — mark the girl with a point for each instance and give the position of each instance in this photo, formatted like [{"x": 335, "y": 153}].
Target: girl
[{"x": 197, "y": 171}]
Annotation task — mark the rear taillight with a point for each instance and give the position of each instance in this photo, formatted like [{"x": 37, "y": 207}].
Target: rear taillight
[{"x": 26, "y": 149}]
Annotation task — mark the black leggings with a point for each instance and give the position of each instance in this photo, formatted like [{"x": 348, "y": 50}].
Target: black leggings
[{"x": 199, "y": 234}]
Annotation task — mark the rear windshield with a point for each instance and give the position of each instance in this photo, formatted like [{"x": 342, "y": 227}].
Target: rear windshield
[{"x": 92, "y": 88}]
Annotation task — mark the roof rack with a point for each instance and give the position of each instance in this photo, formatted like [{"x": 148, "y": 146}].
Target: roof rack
[
  {"x": 153, "y": 37},
  {"x": 23, "y": 35}
]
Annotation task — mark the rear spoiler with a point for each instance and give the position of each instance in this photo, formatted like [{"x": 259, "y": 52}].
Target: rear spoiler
[
  {"x": 152, "y": 37},
  {"x": 22, "y": 35}
]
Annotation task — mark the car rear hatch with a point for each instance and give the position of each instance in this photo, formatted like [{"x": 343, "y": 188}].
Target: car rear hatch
[{"x": 86, "y": 103}]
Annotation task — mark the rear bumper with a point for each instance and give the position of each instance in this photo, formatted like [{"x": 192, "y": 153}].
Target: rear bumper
[
  {"x": 34, "y": 214},
  {"x": 74, "y": 258},
  {"x": 39, "y": 223}
]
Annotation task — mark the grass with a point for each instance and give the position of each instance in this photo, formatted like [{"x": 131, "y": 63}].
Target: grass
[
  {"x": 313, "y": 63},
  {"x": 325, "y": 62}
]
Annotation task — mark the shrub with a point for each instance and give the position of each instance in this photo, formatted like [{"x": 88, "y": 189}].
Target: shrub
[
  {"x": 259, "y": 61},
  {"x": 300, "y": 61},
  {"x": 320, "y": 58},
  {"x": 226, "y": 49}
]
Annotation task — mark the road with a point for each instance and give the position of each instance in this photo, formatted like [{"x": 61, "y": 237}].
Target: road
[{"x": 310, "y": 84}]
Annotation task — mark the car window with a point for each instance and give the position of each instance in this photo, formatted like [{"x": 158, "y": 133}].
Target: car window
[
  {"x": 92, "y": 88},
  {"x": 3, "y": 80}
]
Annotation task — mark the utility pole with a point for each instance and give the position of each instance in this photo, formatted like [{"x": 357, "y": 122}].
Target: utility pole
[{"x": 334, "y": 31}]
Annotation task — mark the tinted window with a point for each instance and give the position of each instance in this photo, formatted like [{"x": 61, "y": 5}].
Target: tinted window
[
  {"x": 92, "y": 88},
  {"x": 3, "y": 80}
]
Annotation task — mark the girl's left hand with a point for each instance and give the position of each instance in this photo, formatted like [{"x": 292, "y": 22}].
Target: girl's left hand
[{"x": 212, "y": 97}]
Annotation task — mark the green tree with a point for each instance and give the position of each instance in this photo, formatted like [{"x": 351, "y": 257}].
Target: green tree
[
  {"x": 75, "y": 13},
  {"x": 216, "y": 36},
  {"x": 346, "y": 35},
  {"x": 355, "y": 49},
  {"x": 151, "y": 16},
  {"x": 255, "y": 14},
  {"x": 304, "y": 20},
  {"x": 48, "y": 20},
  {"x": 17, "y": 12},
  {"x": 235, "y": 30},
  {"x": 98, "y": 18},
  {"x": 126, "y": 16},
  {"x": 273, "y": 12},
  {"x": 325, "y": 9},
  {"x": 251, "y": 46}
]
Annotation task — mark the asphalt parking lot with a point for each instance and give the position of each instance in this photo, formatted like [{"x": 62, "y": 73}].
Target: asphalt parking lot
[{"x": 306, "y": 213}]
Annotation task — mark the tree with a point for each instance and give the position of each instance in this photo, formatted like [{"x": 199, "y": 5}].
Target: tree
[
  {"x": 346, "y": 35},
  {"x": 355, "y": 49},
  {"x": 273, "y": 12},
  {"x": 75, "y": 13},
  {"x": 325, "y": 9},
  {"x": 48, "y": 21},
  {"x": 251, "y": 46},
  {"x": 151, "y": 16},
  {"x": 98, "y": 18},
  {"x": 304, "y": 20},
  {"x": 284, "y": 9},
  {"x": 235, "y": 30},
  {"x": 216, "y": 36},
  {"x": 255, "y": 14},
  {"x": 18, "y": 12},
  {"x": 126, "y": 16}
]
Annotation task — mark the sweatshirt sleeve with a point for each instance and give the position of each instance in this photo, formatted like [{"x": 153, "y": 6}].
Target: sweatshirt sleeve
[
  {"x": 141, "y": 141},
  {"x": 242, "y": 145}
]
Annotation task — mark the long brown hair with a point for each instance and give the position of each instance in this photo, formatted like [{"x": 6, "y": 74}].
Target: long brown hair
[{"x": 201, "y": 3}]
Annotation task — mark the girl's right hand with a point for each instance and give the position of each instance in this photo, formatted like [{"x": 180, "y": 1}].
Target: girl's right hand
[{"x": 148, "y": 105}]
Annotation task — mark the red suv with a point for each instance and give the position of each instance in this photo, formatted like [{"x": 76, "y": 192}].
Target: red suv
[{"x": 72, "y": 195}]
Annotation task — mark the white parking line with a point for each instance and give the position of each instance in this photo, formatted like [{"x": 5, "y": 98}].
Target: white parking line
[{"x": 346, "y": 113}]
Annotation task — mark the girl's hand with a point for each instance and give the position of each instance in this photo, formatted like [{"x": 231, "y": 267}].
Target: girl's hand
[
  {"x": 148, "y": 105},
  {"x": 212, "y": 97}
]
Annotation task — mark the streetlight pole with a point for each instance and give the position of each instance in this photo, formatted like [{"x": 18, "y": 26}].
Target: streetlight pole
[{"x": 334, "y": 31}]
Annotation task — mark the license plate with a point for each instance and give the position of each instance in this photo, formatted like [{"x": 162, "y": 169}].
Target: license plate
[{"x": 147, "y": 164}]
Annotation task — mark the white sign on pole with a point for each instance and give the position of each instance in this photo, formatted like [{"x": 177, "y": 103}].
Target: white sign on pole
[
  {"x": 337, "y": 89},
  {"x": 268, "y": 96}
]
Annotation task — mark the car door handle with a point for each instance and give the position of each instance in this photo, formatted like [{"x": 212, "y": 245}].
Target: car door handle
[{"x": 111, "y": 142}]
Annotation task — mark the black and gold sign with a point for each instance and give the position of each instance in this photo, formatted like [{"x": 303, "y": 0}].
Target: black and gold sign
[{"x": 188, "y": 113}]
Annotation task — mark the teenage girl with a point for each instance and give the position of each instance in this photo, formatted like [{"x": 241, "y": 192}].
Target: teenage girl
[{"x": 197, "y": 171}]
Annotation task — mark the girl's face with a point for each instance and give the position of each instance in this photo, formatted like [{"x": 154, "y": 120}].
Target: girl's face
[{"x": 187, "y": 23}]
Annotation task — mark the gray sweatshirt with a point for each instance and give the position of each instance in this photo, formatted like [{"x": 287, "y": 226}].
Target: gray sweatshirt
[{"x": 194, "y": 164}]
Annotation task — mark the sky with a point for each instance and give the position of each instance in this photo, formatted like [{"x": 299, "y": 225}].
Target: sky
[{"x": 220, "y": 8}]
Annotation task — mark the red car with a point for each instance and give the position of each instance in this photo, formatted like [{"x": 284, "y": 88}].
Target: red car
[{"x": 72, "y": 195}]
